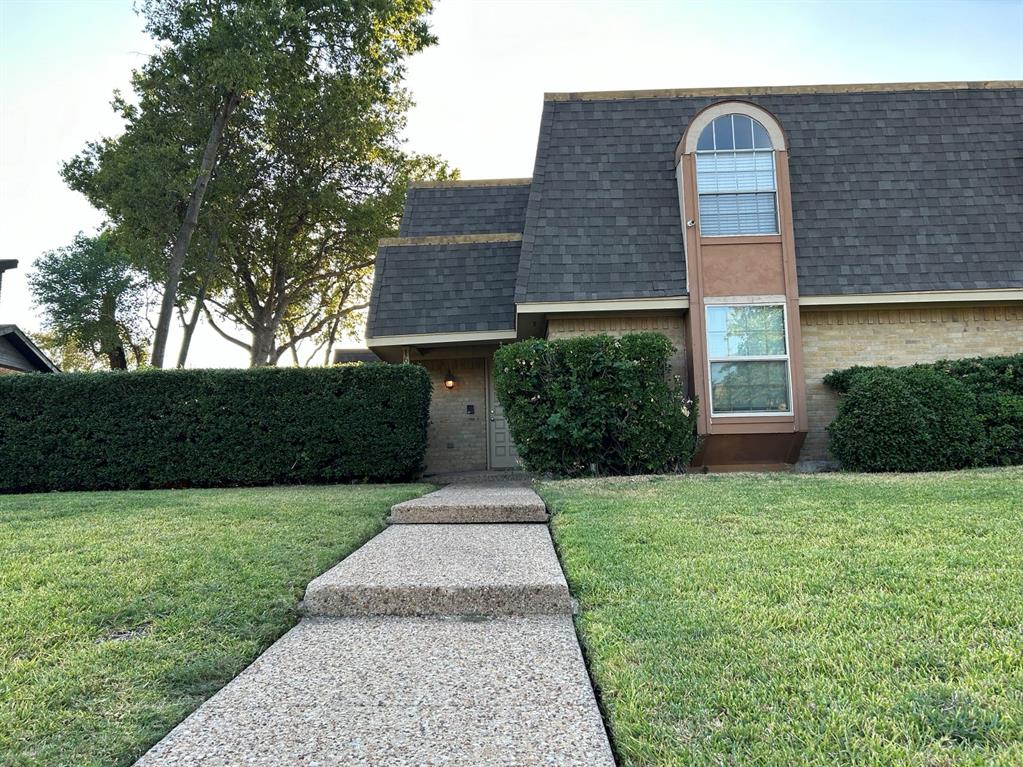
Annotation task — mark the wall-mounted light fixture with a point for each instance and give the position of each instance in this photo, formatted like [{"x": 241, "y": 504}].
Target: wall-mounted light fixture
[{"x": 449, "y": 380}]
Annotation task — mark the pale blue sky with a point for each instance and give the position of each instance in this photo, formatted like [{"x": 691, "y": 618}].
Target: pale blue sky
[{"x": 479, "y": 92}]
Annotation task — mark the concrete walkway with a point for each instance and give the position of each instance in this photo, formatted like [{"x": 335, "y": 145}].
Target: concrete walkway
[{"x": 446, "y": 640}]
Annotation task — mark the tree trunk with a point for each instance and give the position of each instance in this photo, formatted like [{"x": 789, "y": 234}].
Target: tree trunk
[
  {"x": 118, "y": 359},
  {"x": 189, "y": 327},
  {"x": 200, "y": 298},
  {"x": 264, "y": 332},
  {"x": 188, "y": 225},
  {"x": 262, "y": 348},
  {"x": 111, "y": 343}
]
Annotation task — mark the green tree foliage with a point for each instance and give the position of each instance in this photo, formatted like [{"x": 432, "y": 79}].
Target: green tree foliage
[
  {"x": 946, "y": 415},
  {"x": 209, "y": 428},
  {"x": 92, "y": 301},
  {"x": 261, "y": 80},
  {"x": 66, "y": 355},
  {"x": 312, "y": 183},
  {"x": 596, "y": 404}
]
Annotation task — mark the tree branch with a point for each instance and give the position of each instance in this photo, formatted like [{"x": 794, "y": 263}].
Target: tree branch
[{"x": 225, "y": 336}]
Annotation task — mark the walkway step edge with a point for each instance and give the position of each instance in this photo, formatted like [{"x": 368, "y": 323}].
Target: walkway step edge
[
  {"x": 434, "y": 601},
  {"x": 446, "y": 569},
  {"x": 405, "y": 514},
  {"x": 472, "y": 504}
]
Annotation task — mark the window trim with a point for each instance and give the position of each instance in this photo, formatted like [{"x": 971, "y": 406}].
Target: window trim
[
  {"x": 721, "y": 108},
  {"x": 786, "y": 358}
]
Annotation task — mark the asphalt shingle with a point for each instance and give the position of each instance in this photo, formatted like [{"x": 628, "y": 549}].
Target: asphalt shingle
[
  {"x": 464, "y": 209},
  {"x": 891, "y": 191},
  {"x": 443, "y": 288}
]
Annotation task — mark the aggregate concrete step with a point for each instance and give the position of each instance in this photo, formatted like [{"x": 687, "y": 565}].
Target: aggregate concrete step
[
  {"x": 402, "y": 692},
  {"x": 461, "y": 569},
  {"x": 472, "y": 504}
]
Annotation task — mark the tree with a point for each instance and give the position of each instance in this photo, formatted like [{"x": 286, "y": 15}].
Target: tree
[
  {"x": 218, "y": 59},
  {"x": 93, "y": 301},
  {"x": 66, "y": 355},
  {"x": 307, "y": 184}
]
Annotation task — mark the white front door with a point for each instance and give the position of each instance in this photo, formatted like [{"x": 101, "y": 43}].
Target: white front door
[{"x": 499, "y": 439}]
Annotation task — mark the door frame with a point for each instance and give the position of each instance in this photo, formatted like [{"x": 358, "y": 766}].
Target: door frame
[{"x": 488, "y": 363}]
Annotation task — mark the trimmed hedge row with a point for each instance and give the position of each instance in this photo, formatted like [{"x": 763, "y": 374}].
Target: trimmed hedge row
[
  {"x": 596, "y": 404},
  {"x": 950, "y": 414},
  {"x": 207, "y": 428}
]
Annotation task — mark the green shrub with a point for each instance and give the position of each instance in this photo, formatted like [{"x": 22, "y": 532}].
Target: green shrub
[
  {"x": 991, "y": 375},
  {"x": 596, "y": 404},
  {"x": 995, "y": 397},
  {"x": 206, "y": 428}
]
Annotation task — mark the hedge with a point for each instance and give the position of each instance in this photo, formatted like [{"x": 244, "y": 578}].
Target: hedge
[
  {"x": 596, "y": 404},
  {"x": 945, "y": 415},
  {"x": 208, "y": 428}
]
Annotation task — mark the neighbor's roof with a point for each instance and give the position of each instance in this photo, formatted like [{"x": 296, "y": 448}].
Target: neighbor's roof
[
  {"x": 895, "y": 188},
  {"x": 345, "y": 356},
  {"x": 19, "y": 352}
]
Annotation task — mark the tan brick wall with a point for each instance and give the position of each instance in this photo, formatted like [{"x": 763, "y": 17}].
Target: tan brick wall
[
  {"x": 670, "y": 324},
  {"x": 457, "y": 439},
  {"x": 833, "y": 340}
]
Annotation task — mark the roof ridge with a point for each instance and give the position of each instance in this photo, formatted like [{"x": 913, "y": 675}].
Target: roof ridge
[
  {"x": 470, "y": 183},
  {"x": 449, "y": 239},
  {"x": 762, "y": 90}
]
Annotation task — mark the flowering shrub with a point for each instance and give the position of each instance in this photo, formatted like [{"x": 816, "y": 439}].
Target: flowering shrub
[{"x": 596, "y": 404}]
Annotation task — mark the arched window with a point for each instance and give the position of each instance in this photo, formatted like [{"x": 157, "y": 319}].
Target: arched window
[{"x": 735, "y": 178}]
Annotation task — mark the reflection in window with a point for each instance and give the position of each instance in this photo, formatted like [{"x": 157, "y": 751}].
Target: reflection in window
[
  {"x": 749, "y": 368},
  {"x": 735, "y": 178}
]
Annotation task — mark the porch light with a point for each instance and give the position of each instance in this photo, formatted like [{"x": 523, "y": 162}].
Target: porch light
[{"x": 449, "y": 381}]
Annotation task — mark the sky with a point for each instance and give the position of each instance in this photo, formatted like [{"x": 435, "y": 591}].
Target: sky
[{"x": 479, "y": 92}]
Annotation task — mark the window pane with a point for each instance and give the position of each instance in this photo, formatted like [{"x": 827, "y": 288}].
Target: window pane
[
  {"x": 760, "y": 138},
  {"x": 734, "y": 214},
  {"x": 745, "y": 331},
  {"x": 723, "y": 132},
  {"x": 750, "y": 387},
  {"x": 735, "y": 172},
  {"x": 743, "y": 127},
  {"x": 706, "y": 141}
]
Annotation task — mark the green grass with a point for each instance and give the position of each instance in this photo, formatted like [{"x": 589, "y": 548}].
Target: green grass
[
  {"x": 121, "y": 612},
  {"x": 802, "y": 620}
]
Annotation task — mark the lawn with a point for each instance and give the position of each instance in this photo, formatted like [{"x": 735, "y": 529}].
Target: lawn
[
  {"x": 812, "y": 620},
  {"x": 121, "y": 612}
]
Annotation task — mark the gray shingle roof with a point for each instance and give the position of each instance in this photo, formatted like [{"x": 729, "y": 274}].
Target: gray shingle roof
[
  {"x": 891, "y": 191},
  {"x": 443, "y": 288},
  {"x": 466, "y": 208}
]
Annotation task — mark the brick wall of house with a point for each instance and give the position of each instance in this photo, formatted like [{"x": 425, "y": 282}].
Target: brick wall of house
[
  {"x": 457, "y": 438},
  {"x": 671, "y": 325},
  {"x": 833, "y": 340}
]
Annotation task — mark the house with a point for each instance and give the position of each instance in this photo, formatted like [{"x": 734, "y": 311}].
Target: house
[
  {"x": 18, "y": 354},
  {"x": 773, "y": 234},
  {"x": 348, "y": 356}
]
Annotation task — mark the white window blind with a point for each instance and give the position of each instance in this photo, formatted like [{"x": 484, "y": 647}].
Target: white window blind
[{"x": 735, "y": 178}]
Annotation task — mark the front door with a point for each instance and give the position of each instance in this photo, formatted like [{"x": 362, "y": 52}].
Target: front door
[{"x": 501, "y": 447}]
